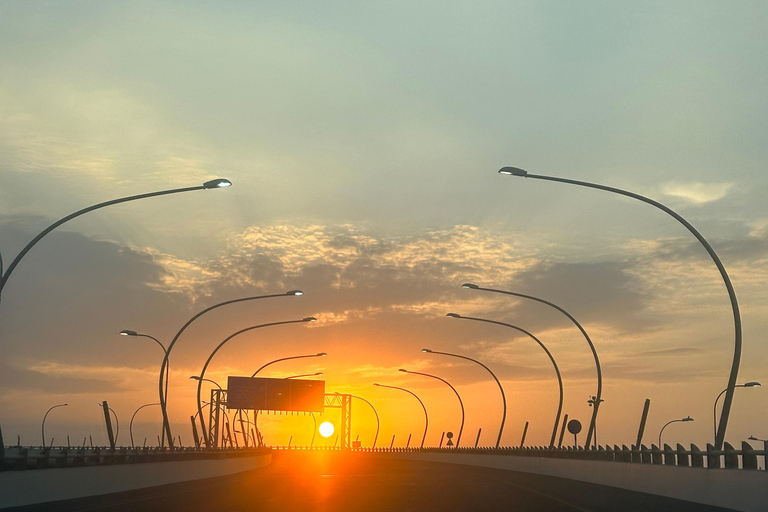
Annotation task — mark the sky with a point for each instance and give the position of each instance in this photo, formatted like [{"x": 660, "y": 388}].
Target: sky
[{"x": 363, "y": 143}]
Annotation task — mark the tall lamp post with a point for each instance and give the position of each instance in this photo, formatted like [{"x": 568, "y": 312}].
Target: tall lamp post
[
  {"x": 593, "y": 421},
  {"x": 661, "y": 447},
  {"x": 552, "y": 359},
  {"x": 212, "y": 184},
  {"x": 130, "y": 425},
  {"x": 503, "y": 397},
  {"x": 426, "y": 418},
  {"x": 42, "y": 428},
  {"x": 164, "y": 396},
  {"x": 714, "y": 409},
  {"x": 208, "y": 361},
  {"x": 720, "y": 433},
  {"x": 166, "y": 423},
  {"x": 461, "y": 404},
  {"x": 378, "y": 424}
]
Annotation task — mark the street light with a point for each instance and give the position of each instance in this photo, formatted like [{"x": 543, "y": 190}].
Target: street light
[
  {"x": 751, "y": 384},
  {"x": 661, "y": 447},
  {"x": 426, "y": 418},
  {"x": 130, "y": 425},
  {"x": 45, "y": 416},
  {"x": 552, "y": 359},
  {"x": 164, "y": 395},
  {"x": 720, "y": 431},
  {"x": 217, "y": 183},
  {"x": 461, "y": 404},
  {"x": 593, "y": 421},
  {"x": 320, "y": 354},
  {"x": 195, "y": 377},
  {"x": 166, "y": 423},
  {"x": 208, "y": 361},
  {"x": 304, "y": 375},
  {"x": 503, "y": 398},
  {"x": 378, "y": 424}
]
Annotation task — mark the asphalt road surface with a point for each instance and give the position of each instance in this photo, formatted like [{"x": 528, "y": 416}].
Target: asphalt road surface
[{"x": 334, "y": 482}]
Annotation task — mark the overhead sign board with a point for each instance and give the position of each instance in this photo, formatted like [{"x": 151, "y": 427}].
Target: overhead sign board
[{"x": 268, "y": 394}]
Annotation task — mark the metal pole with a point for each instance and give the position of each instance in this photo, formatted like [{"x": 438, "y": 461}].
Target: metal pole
[
  {"x": 393, "y": 442},
  {"x": 562, "y": 431},
  {"x": 478, "y": 436},
  {"x": 549, "y": 355},
  {"x": 644, "y": 417},
  {"x": 408, "y": 443},
  {"x": 108, "y": 421},
  {"x": 461, "y": 404},
  {"x": 376, "y": 437},
  {"x": 130, "y": 425},
  {"x": 441, "y": 439},
  {"x": 525, "y": 431},
  {"x": 503, "y": 397},
  {"x": 45, "y": 416},
  {"x": 720, "y": 434},
  {"x": 426, "y": 418}
]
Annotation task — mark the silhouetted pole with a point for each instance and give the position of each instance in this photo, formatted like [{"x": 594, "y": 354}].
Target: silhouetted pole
[
  {"x": 461, "y": 404},
  {"x": 166, "y": 423},
  {"x": 42, "y": 427},
  {"x": 503, "y": 397},
  {"x": 217, "y": 183},
  {"x": 661, "y": 446},
  {"x": 714, "y": 409},
  {"x": 320, "y": 354},
  {"x": 525, "y": 431},
  {"x": 478, "y": 436},
  {"x": 426, "y": 418},
  {"x": 643, "y": 419},
  {"x": 720, "y": 433},
  {"x": 376, "y": 437},
  {"x": 210, "y": 357},
  {"x": 164, "y": 397},
  {"x": 472, "y": 286},
  {"x": 130, "y": 425},
  {"x": 562, "y": 431},
  {"x": 552, "y": 359}
]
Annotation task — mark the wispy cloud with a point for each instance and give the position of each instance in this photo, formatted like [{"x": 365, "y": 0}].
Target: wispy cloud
[{"x": 695, "y": 192}]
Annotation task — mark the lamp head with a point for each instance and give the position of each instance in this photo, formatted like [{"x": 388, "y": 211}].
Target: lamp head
[
  {"x": 753, "y": 438},
  {"x": 217, "y": 183},
  {"x": 295, "y": 292},
  {"x": 318, "y": 373},
  {"x": 471, "y": 286},
  {"x": 751, "y": 384},
  {"x": 688, "y": 419},
  {"x": 403, "y": 370},
  {"x": 453, "y": 315},
  {"x": 321, "y": 354},
  {"x": 428, "y": 351},
  {"x": 513, "y": 171},
  {"x": 309, "y": 319},
  {"x": 128, "y": 332},
  {"x": 376, "y": 384},
  {"x": 195, "y": 377},
  {"x": 64, "y": 404}
]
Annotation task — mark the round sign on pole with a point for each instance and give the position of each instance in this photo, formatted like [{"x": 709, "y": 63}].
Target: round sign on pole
[
  {"x": 449, "y": 435},
  {"x": 574, "y": 426}
]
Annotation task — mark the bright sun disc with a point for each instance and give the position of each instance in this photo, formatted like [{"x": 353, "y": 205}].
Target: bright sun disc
[{"x": 326, "y": 429}]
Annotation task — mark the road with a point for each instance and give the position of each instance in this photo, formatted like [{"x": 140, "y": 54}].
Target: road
[{"x": 334, "y": 482}]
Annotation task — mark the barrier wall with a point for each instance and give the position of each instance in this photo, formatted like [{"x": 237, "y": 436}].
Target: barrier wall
[
  {"x": 40, "y": 486},
  {"x": 738, "y": 490}
]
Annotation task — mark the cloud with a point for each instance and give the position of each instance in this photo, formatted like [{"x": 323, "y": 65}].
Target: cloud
[{"x": 697, "y": 193}]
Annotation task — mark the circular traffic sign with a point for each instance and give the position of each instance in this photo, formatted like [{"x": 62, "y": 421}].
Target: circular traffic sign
[{"x": 574, "y": 426}]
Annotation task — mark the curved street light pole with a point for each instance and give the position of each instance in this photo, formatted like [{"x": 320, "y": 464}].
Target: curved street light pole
[
  {"x": 426, "y": 418},
  {"x": 593, "y": 421},
  {"x": 669, "y": 423},
  {"x": 217, "y": 183},
  {"x": 461, "y": 404},
  {"x": 45, "y": 416},
  {"x": 208, "y": 361},
  {"x": 503, "y": 397},
  {"x": 164, "y": 396},
  {"x": 714, "y": 408},
  {"x": 720, "y": 434},
  {"x": 316, "y": 374},
  {"x": 320, "y": 354},
  {"x": 166, "y": 423},
  {"x": 378, "y": 424},
  {"x": 130, "y": 425}
]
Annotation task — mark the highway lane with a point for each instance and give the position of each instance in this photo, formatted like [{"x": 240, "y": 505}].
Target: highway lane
[{"x": 334, "y": 482}]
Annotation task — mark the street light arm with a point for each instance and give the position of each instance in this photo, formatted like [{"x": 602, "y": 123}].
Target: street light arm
[
  {"x": 662, "y": 431},
  {"x": 42, "y": 428},
  {"x": 130, "y": 425},
  {"x": 503, "y": 396},
  {"x": 208, "y": 361},
  {"x": 166, "y": 423},
  {"x": 282, "y": 359},
  {"x": 25, "y": 250},
  {"x": 551, "y": 358},
  {"x": 720, "y": 435},
  {"x": 461, "y": 403},
  {"x": 376, "y": 437},
  {"x": 426, "y": 418},
  {"x": 592, "y": 422}
]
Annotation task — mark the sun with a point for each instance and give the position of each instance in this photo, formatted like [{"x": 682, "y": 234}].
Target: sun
[{"x": 326, "y": 429}]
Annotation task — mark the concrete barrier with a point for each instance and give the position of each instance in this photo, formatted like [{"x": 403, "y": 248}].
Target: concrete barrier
[
  {"x": 733, "y": 489},
  {"x": 39, "y": 486}
]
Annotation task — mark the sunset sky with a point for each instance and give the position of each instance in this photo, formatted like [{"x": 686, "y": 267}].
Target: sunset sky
[{"x": 363, "y": 142}]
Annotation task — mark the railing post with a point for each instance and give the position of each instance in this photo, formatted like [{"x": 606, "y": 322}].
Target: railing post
[
  {"x": 682, "y": 456},
  {"x": 713, "y": 460},
  {"x": 669, "y": 456},
  {"x": 748, "y": 457},
  {"x": 645, "y": 454},
  {"x": 731, "y": 457}
]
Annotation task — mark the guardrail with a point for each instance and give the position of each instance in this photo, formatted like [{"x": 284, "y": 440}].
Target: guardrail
[{"x": 19, "y": 458}]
